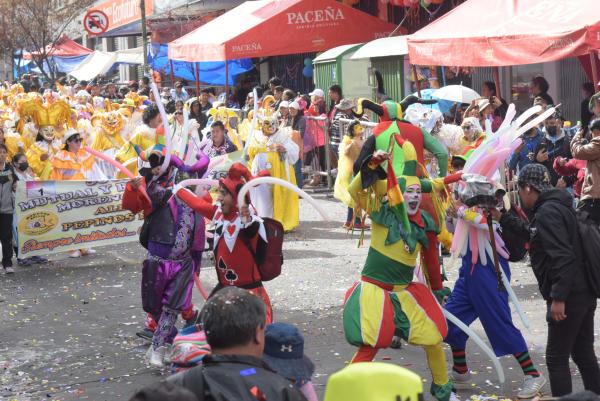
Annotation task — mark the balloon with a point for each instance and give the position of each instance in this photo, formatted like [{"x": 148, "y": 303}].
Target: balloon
[
  {"x": 437, "y": 1},
  {"x": 110, "y": 161},
  {"x": 201, "y": 289},
  {"x": 308, "y": 62},
  {"x": 425, "y": 3},
  {"x": 199, "y": 181},
  {"x": 165, "y": 124},
  {"x": 278, "y": 181},
  {"x": 307, "y": 72},
  {"x": 479, "y": 342}
]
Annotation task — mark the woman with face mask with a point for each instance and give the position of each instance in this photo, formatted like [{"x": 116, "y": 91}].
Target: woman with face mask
[{"x": 23, "y": 173}]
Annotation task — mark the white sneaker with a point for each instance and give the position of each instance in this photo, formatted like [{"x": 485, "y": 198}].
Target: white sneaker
[
  {"x": 531, "y": 386},
  {"x": 75, "y": 254},
  {"x": 156, "y": 356},
  {"x": 454, "y": 397},
  {"x": 9, "y": 270},
  {"x": 90, "y": 251},
  {"x": 461, "y": 380}
]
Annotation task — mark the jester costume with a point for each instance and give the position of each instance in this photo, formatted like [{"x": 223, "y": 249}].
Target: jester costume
[
  {"x": 236, "y": 244},
  {"x": 478, "y": 294},
  {"x": 386, "y": 300},
  {"x": 392, "y": 123},
  {"x": 274, "y": 202},
  {"x": 175, "y": 241}
]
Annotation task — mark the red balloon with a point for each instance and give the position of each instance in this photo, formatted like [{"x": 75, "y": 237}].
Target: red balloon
[{"x": 437, "y": 1}]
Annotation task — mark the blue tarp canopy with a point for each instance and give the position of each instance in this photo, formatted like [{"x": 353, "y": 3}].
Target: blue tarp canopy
[{"x": 212, "y": 73}]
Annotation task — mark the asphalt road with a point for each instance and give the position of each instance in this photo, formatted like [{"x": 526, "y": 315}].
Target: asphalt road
[{"x": 68, "y": 327}]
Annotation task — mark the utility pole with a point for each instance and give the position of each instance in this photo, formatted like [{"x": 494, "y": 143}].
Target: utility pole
[{"x": 144, "y": 35}]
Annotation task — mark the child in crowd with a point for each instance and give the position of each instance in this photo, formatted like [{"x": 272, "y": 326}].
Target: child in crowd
[{"x": 284, "y": 352}]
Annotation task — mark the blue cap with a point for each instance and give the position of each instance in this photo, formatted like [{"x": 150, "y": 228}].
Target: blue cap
[{"x": 284, "y": 352}]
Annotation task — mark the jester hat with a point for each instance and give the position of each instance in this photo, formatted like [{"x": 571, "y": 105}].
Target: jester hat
[
  {"x": 237, "y": 176},
  {"x": 390, "y": 110}
]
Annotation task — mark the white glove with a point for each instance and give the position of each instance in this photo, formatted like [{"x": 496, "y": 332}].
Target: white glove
[{"x": 176, "y": 188}]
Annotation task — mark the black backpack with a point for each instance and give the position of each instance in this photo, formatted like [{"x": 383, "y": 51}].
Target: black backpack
[{"x": 589, "y": 235}]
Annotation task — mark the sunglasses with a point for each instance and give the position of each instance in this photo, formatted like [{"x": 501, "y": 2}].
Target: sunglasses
[{"x": 178, "y": 113}]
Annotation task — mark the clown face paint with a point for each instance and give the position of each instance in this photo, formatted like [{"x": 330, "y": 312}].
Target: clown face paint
[{"x": 412, "y": 197}]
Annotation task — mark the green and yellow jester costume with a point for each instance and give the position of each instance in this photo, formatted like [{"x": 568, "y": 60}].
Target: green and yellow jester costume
[{"x": 386, "y": 300}]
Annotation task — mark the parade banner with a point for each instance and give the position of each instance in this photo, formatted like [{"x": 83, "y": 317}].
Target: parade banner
[{"x": 59, "y": 216}]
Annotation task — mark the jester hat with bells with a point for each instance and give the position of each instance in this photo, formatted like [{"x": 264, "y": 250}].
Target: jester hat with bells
[
  {"x": 391, "y": 123},
  {"x": 237, "y": 177}
]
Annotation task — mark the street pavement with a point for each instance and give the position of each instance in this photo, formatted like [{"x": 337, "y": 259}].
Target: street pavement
[{"x": 68, "y": 327}]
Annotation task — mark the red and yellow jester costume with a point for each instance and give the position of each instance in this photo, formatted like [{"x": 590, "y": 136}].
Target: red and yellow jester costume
[{"x": 236, "y": 244}]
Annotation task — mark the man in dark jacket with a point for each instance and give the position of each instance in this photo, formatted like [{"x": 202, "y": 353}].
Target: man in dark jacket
[
  {"x": 557, "y": 261},
  {"x": 555, "y": 143},
  {"x": 234, "y": 322}
]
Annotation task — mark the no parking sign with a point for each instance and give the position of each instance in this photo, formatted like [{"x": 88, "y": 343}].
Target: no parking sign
[{"x": 95, "y": 22}]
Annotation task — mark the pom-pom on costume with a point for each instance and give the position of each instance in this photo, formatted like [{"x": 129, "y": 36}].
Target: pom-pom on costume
[
  {"x": 175, "y": 236},
  {"x": 386, "y": 300},
  {"x": 265, "y": 153},
  {"x": 236, "y": 243}
]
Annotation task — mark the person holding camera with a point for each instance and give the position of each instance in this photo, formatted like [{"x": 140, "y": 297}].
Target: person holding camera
[{"x": 557, "y": 260}]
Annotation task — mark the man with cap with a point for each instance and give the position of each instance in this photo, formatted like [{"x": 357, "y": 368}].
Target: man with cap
[
  {"x": 343, "y": 110},
  {"x": 557, "y": 259},
  {"x": 234, "y": 322},
  {"x": 240, "y": 236},
  {"x": 179, "y": 93}
]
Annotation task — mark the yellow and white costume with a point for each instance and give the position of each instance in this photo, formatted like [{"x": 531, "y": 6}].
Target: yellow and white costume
[
  {"x": 274, "y": 201},
  {"x": 144, "y": 137}
]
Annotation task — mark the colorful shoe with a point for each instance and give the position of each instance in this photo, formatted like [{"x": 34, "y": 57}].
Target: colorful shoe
[{"x": 532, "y": 385}]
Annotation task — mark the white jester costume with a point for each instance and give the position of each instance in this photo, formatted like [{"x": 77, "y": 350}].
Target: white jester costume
[{"x": 275, "y": 202}]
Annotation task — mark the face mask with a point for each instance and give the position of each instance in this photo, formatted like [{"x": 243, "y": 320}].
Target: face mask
[
  {"x": 551, "y": 130},
  {"x": 23, "y": 166}
]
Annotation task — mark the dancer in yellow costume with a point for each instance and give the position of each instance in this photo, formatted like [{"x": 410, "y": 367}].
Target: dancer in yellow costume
[
  {"x": 46, "y": 117},
  {"x": 274, "y": 150},
  {"x": 74, "y": 163},
  {"x": 144, "y": 137},
  {"x": 109, "y": 129},
  {"x": 349, "y": 151},
  {"x": 386, "y": 301}
]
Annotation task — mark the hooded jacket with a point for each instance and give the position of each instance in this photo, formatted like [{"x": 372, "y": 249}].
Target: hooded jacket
[{"x": 555, "y": 247}]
